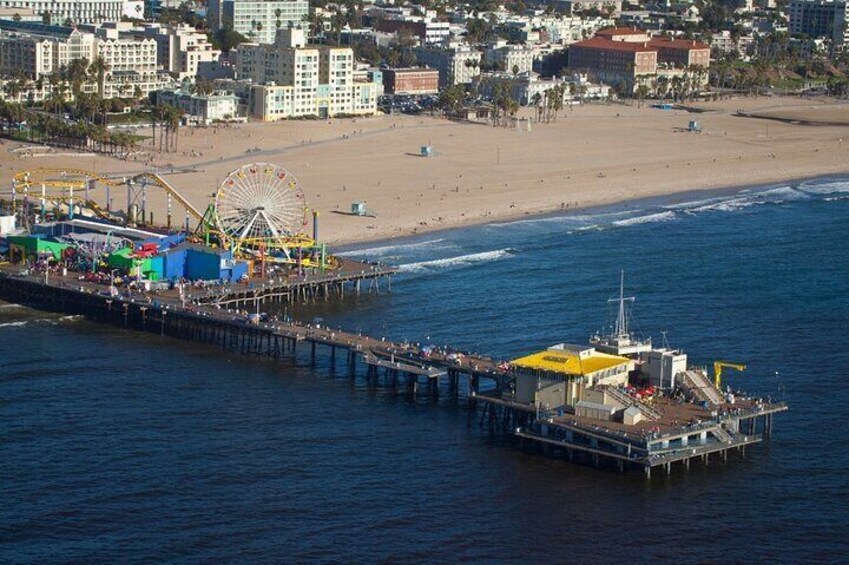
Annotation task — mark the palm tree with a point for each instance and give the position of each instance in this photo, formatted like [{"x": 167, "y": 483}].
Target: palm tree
[
  {"x": 642, "y": 92},
  {"x": 174, "y": 122},
  {"x": 536, "y": 102},
  {"x": 99, "y": 67},
  {"x": 13, "y": 89},
  {"x": 559, "y": 91},
  {"x": 77, "y": 73},
  {"x": 56, "y": 100},
  {"x": 662, "y": 86},
  {"x": 155, "y": 118}
]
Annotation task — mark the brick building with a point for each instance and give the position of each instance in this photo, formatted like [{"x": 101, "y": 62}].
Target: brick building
[
  {"x": 614, "y": 62},
  {"x": 411, "y": 81},
  {"x": 628, "y": 57},
  {"x": 682, "y": 53}
]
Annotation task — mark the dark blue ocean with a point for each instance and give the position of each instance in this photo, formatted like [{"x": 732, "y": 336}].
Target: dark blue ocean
[{"x": 129, "y": 448}]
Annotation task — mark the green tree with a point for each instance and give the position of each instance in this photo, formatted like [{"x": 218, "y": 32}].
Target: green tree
[
  {"x": 451, "y": 99},
  {"x": 98, "y": 68},
  {"x": 227, "y": 39}
]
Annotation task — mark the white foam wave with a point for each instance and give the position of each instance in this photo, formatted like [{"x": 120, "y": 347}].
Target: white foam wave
[
  {"x": 384, "y": 249},
  {"x": 776, "y": 195},
  {"x": 591, "y": 227},
  {"x": 13, "y": 324},
  {"x": 836, "y": 187},
  {"x": 10, "y": 306},
  {"x": 647, "y": 219},
  {"x": 570, "y": 219},
  {"x": 694, "y": 203},
  {"x": 483, "y": 257},
  {"x": 783, "y": 194}
]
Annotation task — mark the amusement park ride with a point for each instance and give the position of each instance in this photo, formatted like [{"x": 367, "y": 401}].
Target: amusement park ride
[{"x": 259, "y": 211}]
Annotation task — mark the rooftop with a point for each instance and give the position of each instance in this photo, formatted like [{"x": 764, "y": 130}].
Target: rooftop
[
  {"x": 604, "y": 43},
  {"x": 664, "y": 43},
  {"x": 610, "y": 31},
  {"x": 36, "y": 28},
  {"x": 569, "y": 361}
]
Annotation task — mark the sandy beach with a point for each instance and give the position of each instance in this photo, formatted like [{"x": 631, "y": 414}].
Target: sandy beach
[{"x": 592, "y": 155}]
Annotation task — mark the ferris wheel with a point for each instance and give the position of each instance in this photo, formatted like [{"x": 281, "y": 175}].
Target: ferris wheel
[{"x": 260, "y": 207}]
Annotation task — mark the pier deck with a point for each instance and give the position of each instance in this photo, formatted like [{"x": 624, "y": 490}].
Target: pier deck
[{"x": 683, "y": 431}]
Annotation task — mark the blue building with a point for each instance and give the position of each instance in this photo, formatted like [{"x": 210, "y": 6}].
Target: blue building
[{"x": 193, "y": 261}]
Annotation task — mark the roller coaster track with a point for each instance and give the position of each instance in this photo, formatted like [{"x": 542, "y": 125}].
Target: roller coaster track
[
  {"x": 90, "y": 204},
  {"x": 26, "y": 179}
]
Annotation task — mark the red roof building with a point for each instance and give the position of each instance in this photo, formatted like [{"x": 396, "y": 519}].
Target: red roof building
[
  {"x": 613, "y": 62},
  {"x": 681, "y": 52},
  {"x": 628, "y": 56},
  {"x": 629, "y": 34}
]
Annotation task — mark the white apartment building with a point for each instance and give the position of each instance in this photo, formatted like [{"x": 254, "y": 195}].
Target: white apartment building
[
  {"x": 820, "y": 18},
  {"x": 78, "y": 11},
  {"x": 292, "y": 79},
  {"x": 131, "y": 64},
  {"x": 39, "y": 51},
  {"x": 258, "y": 20},
  {"x": 725, "y": 43},
  {"x": 526, "y": 88},
  {"x": 509, "y": 58},
  {"x": 562, "y": 30},
  {"x": 457, "y": 64},
  {"x": 180, "y": 49},
  {"x": 202, "y": 109}
]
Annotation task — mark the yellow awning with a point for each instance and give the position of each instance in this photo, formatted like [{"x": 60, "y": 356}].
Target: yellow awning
[{"x": 568, "y": 362}]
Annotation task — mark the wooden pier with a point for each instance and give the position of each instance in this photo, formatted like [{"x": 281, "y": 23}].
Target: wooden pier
[{"x": 208, "y": 315}]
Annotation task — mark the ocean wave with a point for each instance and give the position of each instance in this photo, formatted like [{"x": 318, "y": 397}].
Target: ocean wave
[
  {"x": 448, "y": 262},
  {"x": 11, "y": 306},
  {"x": 824, "y": 188},
  {"x": 783, "y": 194},
  {"x": 566, "y": 218},
  {"x": 384, "y": 249},
  {"x": 777, "y": 195},
  {"x": 591, "y": 227},
  {"x": 13, "y": 324},
  {"x": 684, "y": 206},
  {"x": 647, "y": 219}
]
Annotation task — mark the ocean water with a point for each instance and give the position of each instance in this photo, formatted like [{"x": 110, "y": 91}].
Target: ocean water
[{"x": 122, "y": 447}]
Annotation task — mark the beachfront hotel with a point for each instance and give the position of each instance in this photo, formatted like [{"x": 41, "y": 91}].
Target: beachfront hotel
[
  {"x": 40, "y": 50},
  {"x": 630, "y": 57},
  {"x": 78, "y": 11},
  {"x": 293, "y": 79}
]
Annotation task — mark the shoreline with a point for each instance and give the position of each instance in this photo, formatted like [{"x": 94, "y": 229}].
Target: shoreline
[
  {"x": 647, "y": 201},
  {"x": 592, "y": 156}
]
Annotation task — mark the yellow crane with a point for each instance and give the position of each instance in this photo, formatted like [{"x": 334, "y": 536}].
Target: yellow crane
[{"x": 717, "y": 370}]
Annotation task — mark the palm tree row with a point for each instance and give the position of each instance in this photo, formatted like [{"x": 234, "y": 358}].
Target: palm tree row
[
  {"x": 549, "y": 103},
  {"x": 503, "y": 104},
  {"x": 168, "y": 118},
  {"x": 31, "y": 125}
]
